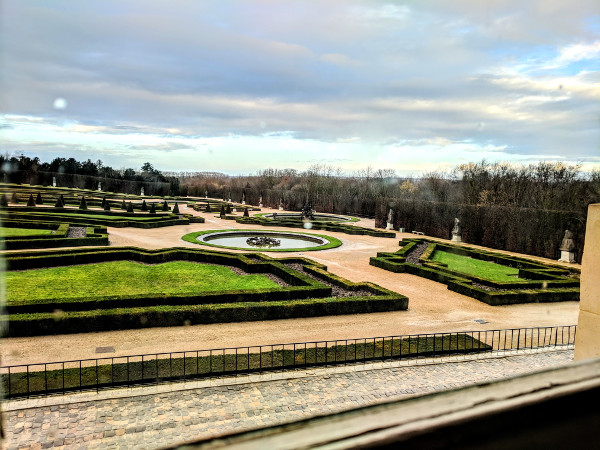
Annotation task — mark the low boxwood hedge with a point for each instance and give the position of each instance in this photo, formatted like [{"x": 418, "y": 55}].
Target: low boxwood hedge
[
  {"x": 306, "y": 297},
  {"x": 543, "y": 283},
  {"x": 316, "y": 225}
]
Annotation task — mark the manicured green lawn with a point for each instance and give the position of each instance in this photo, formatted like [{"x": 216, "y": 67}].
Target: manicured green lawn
[
  {"x": 10, "y": 232},
  {"x": 477, "y": 267},
  {"x": 125, "y": 278}
]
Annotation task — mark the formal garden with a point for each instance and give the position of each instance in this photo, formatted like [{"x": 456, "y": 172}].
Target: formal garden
[
  {"x": 491, "y": 277},
  {"x": 173, "y": 287}
]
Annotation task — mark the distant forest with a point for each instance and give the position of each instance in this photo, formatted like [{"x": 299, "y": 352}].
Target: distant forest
[{"x": 524, "y": 208}]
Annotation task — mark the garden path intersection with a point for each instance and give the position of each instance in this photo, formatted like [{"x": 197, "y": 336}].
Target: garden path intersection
[{"x": 161, "y": 415}]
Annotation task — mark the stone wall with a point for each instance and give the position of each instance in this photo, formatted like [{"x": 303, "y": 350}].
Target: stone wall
[{"x": 587, "y": 343}]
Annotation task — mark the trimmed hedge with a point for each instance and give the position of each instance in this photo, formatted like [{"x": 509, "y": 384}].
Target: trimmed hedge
[
  {"x": 316, "y": 225},
  {"x": 94, "y": 236},
  {"x": 545, "y": 283},
  {"x": 306, "y": 297}
]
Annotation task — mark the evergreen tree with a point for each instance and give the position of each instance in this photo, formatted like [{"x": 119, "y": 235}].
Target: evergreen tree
[
  {"x": 144, "y": 206},
  {"x": 228, "y": 209},
  {"x": 130, "y": 207},
  {"x": 175, "y": 208},
  {"x": 124, "y": 205},
  {"x": 246, "y": 214},
  {"x": 152, "y": 208},
  {"x": 222, "y": 214},
  {"x": 38, "y": 199},
  {"x": 59, "y": 202},
  {"x": 15, "y": 199},
  {"x": 207, "y": 208},
  {"x": 3, "y": 201},
  {"x": 103, "y": 203},
  {"x": 83, "y": 203},
  {"x": 165, "y": 206},
  {"x": 106, "y": 205},
  {"x": 31, "y": 201}
]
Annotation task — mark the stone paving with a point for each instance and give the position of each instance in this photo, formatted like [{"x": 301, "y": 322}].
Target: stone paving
[{"x": 156, "y": 416}]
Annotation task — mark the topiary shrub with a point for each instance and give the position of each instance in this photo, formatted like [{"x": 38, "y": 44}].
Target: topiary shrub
[
  {"x": 152, "y": 208},
  {"x": 59, "y": 202},
  {"x": 176, "y": 209},
  {"x": 208, "y": 208},
  {"x": 246, "y": 214},
  {"x": 31, "y": 201},
  {"x": 124, "y": 205},
  {"x": 129, "y": 207},
  {"x": 222, "y": 214},
  {"x": 165, "y": 206},
  {"x": 38, "y": 199},
  {"x": 3, "y": 201},
  {"x": 15, "y": 199},
  {"x": 228, "y": 209},
  {"x": 107, "y": 206},
  {"x": 144, "y": 206},
  {"x": 83, "y": 203}
]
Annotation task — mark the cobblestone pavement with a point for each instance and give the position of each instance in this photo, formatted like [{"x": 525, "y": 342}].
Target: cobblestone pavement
[{"x": 152, "y": 419}]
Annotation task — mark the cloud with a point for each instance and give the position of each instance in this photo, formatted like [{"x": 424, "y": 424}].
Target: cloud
[{"x": 490, "y": 76}]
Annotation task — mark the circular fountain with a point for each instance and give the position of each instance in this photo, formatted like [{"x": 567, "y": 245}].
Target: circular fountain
[{"x": 263, "y": 240}]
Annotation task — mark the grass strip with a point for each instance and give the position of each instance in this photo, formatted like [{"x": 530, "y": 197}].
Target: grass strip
[
  {"x": 115, "y": 278},
  {"x": 6, "y": 232},
  {"x": 132, "y": 370},
  {"x": 476, "y": 267}
]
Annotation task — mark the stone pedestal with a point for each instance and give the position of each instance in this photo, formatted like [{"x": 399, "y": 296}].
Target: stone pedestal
[
  {"x": 568, "y": 257},
  {"x": 281, "y": 208},
  {"x": 389, "y": 226},
  {"x": 260, "y": 205},
  {"x": 456, "y": 238},
  {"x": 243, "y": 202}
]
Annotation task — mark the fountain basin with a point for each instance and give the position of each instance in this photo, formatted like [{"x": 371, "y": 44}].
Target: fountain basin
[{"x": 238, "y": 240}]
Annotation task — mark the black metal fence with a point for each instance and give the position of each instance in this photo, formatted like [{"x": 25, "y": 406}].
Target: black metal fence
[{"x": 93, "y": 374}]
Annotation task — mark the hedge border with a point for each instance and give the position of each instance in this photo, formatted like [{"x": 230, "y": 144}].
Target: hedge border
[
  {"x": 179, "y": 311},
  {"x": 316, "y": 225},
  {"x": 95, "y": 235},
  {"x": 548, "y": 284}
]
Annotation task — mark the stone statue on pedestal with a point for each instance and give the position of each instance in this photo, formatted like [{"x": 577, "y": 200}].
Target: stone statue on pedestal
[
  {"x": 567, "y": 248},
  {"x": 390, "y": 220},
  {"x": 456, "y": 231}
]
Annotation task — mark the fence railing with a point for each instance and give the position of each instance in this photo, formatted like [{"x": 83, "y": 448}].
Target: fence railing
[{"x": 93, "y": 374}]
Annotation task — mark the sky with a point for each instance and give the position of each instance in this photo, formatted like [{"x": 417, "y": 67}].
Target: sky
[{"x": 239, "y": 86}]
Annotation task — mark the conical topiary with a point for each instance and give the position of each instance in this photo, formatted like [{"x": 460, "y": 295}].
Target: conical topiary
[
  {"x": 130, "y": 207},
  {"x": 38, "y": 199},
  {"x": 83, "y": 203},
  {"x": 165, "y": 206},
  {"x": 31, "y": 201},
  {"x": 59, "y": 202},
  {"x": 144, "y": 206},
  {"x": 124, "y": 205},
  {"x": 103, "y": 204},
  {"x": 246, "y": 214},
  {"x": 222, "y": 212},
  {"x": 106, "y": 205},
  {"x": 3, "y": 201},
  {"x": 15, "y": 199},
  {"x": 228, "y": 209},
  {"x": 208, "y": 208},
  {"x": 175, "y": 208},
  {"x": 152, "y": 208}
]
